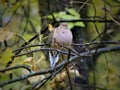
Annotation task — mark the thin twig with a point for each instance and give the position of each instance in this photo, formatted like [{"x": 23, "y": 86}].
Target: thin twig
[
  {"x": 16, "y": 67},
  {"x": 23, "y": 77}
]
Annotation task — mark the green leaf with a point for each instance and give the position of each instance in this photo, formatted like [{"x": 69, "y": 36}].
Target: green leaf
[
  {"x": 27, "y": 36},
  {"x": 68, "y": 17},
  {"x": 63, "y": 15},
  {"x": 14, "y": 86},
  {"x": 74, "y": 15},
  {"x": 56, "y": 15},
  {"x": 3, "y": 77},
  {"x": 70, "y": 25},
  {"x": 5, "y": 56},
  {"x": 81, "y": 24},
  {"x": 73, "y": 12}
]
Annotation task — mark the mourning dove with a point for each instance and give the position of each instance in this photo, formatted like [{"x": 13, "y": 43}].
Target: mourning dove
[{"x": 60, "y": 37}]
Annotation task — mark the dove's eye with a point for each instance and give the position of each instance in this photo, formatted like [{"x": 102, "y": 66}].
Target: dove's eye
[{"x": 64, "y": 24}]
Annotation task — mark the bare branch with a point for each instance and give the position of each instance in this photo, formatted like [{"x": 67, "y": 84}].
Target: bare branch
[
  {"x": 23, "y": 77},
  {"x": 16, "y": 67}
]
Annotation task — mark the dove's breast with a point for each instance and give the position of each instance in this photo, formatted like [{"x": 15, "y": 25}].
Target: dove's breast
[{"x": 63, "y": 37}]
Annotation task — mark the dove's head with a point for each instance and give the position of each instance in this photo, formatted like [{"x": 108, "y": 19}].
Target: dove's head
[{"x": 63, "y": 25}]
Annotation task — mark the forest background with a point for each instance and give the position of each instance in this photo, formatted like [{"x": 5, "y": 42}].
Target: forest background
[{"x": 95, "y": 57}]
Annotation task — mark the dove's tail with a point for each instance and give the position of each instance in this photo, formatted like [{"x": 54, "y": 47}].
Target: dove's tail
[{"x": 53, "y": 58}]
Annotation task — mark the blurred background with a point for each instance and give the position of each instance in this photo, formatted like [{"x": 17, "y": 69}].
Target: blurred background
[{"x": 94, "y": 24}]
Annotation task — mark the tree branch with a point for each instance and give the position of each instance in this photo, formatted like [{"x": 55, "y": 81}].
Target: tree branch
[
  {"x": 16, "y": 67},
  {"x": 23, "y": 77}
]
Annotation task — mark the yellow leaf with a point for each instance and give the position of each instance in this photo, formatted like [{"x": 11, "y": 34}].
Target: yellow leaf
[
  {"x": 5, "y": 56},
  {"x": 50, "y": 27},
  {"x": 2, "y": 36},
  {"x": 5, "y": 35},
  {"x": 28, "y": 60},
  {"x": 34, "y": 78},
  {"x": 31, "y": 62}
]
